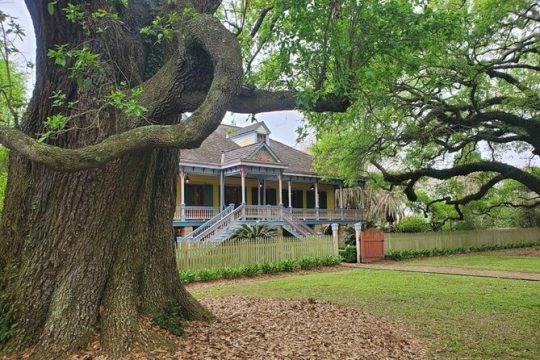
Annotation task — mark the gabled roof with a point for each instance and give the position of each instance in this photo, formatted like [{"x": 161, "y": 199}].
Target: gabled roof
[
  {"x": 250, "y": 152},
  {"x": 210, "y": 151},
  {"x": 252, "y": 127}
]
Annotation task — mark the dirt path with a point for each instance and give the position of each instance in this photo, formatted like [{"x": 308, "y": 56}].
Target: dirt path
[{"x": 449, "y": 271}]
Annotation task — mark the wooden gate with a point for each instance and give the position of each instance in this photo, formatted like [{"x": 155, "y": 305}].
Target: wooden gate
[{"x": 371, "y": 245}]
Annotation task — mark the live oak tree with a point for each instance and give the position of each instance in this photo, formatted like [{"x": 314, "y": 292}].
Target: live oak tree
[
  {"x": 86, "y": 237},
  {"x": 460, "y": 106},
  {"x": 86, "y": 241}
]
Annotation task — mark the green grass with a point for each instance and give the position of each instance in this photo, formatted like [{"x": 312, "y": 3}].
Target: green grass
[
  {"x": 490, "y": 261},
  {"x": 458, "y": 316}
]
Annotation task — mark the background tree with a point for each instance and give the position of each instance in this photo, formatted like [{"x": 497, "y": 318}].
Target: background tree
[
  {"x": 382, "y": 208},
  {"x": 86, "y": 234},
  {"x": 431, "y": 112},
  {"x": 12, "y": 87}
]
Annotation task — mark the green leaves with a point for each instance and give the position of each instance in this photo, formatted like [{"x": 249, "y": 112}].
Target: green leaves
[
  {"x": 80, "y": 61},
  {"x": 162, "y": 28},
  {"x": 129, "y": 104},
  {"x": 422, "y": 84}
]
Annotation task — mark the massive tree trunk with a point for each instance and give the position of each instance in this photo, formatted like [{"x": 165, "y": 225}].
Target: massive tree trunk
[
  {"x": 92, "y": 251},
  {"x": 91, "y": 248}
]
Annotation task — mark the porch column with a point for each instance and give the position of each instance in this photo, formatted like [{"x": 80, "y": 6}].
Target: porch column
[
  {"x": 358, "y": 230},
  {"x": 290, "y": 193},
  {"x": 264, "y": 191},
  {"x": 243, "y": 175},
  {"x": 221, "y": 191},
  {"x": 280, "y": 180},
  {"x": 341, "y": 199},
  {"x": 341, "y": 195},
  {"x": 182, "y": 196},
  {"x": 335, "y": 235},
  {"x": 259, "y": 186},
  {"x": 317, "y": 198}
]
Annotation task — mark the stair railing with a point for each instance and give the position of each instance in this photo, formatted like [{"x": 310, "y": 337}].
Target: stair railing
[
  {"x": 216, "y": 224},
  {"x": 210, "y": 222},
  {"x": 296, "y": 223}
]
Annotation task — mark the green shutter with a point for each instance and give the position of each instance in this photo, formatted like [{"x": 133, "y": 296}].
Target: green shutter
[
  {"x": 188, "y": 196},
  {"x": 254, "y": 196},
  {"x": 310, "y": 197},
  {"x": 271, "y": 197},
  {"x": 208, "y": 195},
  {"x": 323, "y": 200}
]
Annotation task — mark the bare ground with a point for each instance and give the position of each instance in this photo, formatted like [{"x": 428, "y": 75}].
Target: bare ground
[{"x": 255, "y": 328}]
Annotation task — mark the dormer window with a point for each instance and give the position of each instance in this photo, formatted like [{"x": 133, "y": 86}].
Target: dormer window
[{"x": 254, "y": 134}]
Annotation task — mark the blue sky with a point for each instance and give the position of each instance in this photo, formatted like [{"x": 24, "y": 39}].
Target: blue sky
[{"x": 282, "y": 124}]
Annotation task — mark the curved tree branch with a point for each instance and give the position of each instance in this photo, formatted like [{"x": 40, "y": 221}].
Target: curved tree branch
[
  {"x": 252, "y": 100},
  {"x": 506, "y": 171},
  {"x": 223, "y": 49}
]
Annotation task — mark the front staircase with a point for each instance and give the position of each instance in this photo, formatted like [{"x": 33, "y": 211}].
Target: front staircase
[{"x": 223, "y": 225}]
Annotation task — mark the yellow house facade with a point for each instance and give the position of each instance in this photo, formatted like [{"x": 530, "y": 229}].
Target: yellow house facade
[{"x": 242, "y": 173}]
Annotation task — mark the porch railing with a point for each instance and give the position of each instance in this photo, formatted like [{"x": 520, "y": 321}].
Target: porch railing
[
  {"x": 270, "y": 212},
  {"x": 328, "y": 214},
  {"x": 263, "y": 212},
  {"x": 195, "y": 212}
]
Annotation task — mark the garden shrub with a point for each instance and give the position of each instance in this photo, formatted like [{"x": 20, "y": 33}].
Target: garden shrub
[
  {"x": 229, "y": 272},
  {"x": 269, "y": 268},
  {"x": 188, "y": 276},
  {"x": 286, "y": 265},
  {"x": 252, "y": 270},
  {"x": 208, "y": 274},
  {"x": 249, "y": 270},
  {"x": 330, "y": 260},
  {"x": 413, "y": 253},
  {"x": 307, "y": 263},
  {"x": 348, "y": 254},
  {"x": 413, "y": 224}
]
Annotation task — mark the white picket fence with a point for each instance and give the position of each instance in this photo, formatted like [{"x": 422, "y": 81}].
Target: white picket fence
[
  {"x": 205, "y": 255},
  {"x": 455, "y": 239}
]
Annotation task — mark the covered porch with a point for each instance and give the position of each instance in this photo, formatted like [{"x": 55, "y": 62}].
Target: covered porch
[{"x": 203, "y": 192}]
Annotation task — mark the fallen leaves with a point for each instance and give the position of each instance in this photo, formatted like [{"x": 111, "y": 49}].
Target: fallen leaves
[
  {"x": 253, "y": 328},
  {"x": 258, "y": 328}
]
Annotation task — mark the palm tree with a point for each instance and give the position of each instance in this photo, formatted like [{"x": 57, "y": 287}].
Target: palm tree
[
  {"x": 252, "y": 232},
  {"x": 381, "y": 206}
]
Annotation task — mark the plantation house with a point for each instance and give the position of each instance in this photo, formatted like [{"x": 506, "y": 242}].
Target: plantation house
[{"x": 240, "y": 175}]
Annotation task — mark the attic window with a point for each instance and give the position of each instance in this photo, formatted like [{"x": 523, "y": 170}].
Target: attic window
[{"x": 261, "y": 138}]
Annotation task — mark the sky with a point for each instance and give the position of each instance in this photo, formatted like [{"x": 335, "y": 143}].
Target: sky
[{"x": 282, "y": 124}]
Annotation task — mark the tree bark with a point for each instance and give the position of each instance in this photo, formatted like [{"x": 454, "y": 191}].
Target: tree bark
[{"x": 92, "y": 249}]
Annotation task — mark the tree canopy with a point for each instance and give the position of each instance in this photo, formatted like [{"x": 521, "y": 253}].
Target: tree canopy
[
  {"x": 451, "y": 105},
  {"x": 100, "y": 139}
]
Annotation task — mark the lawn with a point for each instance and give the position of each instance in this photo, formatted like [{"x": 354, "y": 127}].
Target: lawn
[
  {"x": 496, "y": 260},
  {"x": 458, "y": 316}
]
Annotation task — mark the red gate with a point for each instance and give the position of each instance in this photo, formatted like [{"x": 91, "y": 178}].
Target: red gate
[{"x": 371, "y": 245}]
